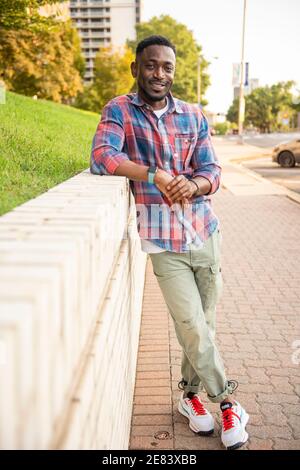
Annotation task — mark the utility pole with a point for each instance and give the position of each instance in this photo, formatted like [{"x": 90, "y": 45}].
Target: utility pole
[{"x": 242, "y": 99}]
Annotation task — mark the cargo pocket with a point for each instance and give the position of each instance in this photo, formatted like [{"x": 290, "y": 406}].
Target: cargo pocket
[{"x": 216, "y": 283}]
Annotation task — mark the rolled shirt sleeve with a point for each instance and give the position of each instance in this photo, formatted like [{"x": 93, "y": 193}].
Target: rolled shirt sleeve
[
  {"x": 204, "y": 160},
  {"x": 108, "y": 142}
]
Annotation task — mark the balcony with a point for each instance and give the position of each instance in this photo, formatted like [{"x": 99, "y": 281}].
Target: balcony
[
  {"x": 88, "y": 76},
  {"x": 91, "y": 25},
  {"x": 87, "y": 14},
  {"x": 100, "y": 35}
]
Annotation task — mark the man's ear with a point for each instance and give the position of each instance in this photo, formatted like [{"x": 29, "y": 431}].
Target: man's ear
[{"x": 133, "y": 67}]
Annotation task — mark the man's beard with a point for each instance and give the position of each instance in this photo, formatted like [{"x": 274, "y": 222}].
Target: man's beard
[{"x": 151, "y": 97}]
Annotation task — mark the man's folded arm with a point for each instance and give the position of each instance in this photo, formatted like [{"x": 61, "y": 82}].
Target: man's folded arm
[
  {"x": 204, "y": 160},
  {"x": 107, "y": 157}
]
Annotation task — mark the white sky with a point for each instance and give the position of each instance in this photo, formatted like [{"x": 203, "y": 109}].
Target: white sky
[{"x": 272, "y": 40}]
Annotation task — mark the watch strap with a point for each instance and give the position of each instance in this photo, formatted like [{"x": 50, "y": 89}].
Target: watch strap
[{"x": 151, "y": 173}]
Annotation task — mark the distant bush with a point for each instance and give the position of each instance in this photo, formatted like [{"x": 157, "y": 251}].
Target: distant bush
[{"x": 222, "y": 128}]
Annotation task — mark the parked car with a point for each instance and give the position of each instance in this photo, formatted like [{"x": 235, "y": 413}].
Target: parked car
[{"x": 287, "y": 154}]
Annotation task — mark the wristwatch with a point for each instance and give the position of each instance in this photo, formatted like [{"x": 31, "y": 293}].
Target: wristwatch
[{"x": 151, "y": 173}]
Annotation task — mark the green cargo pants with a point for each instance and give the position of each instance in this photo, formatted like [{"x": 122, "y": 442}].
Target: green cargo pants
[{"x": 191, "y": 284}]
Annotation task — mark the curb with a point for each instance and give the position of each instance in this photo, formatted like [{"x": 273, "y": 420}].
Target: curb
[
  {"x": 288, "y": 192},
  {"x": 251, "y": 157}
]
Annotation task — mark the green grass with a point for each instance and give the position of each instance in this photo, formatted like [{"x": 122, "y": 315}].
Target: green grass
[{"x": 41, "y": 144}]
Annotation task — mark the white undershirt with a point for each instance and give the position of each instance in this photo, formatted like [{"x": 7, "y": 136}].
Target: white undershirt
[{"x": 146, "y": 245}]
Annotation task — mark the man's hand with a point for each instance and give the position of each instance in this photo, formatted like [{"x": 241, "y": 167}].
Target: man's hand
[
  {"x": 180, "y": 189},
  {"x": 161, "y": 180}
]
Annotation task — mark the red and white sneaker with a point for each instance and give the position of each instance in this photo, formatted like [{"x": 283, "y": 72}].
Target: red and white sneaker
[
  {"x": 234, "y": 420},
  {"x": 200, "y": 420}
]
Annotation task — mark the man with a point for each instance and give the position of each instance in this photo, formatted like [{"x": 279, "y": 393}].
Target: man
[{"x": 163, "y": 146}]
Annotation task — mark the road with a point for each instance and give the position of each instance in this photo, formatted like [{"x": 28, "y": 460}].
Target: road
[
  {"x": 265, "y": 140},
  {"x": 288, "y": 177}
]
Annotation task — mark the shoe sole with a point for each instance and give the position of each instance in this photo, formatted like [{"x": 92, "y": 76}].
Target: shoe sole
[
  {"x": 200, "y": 433},
  {"x": 245, "y": 419},
  {"x": 239, "y": 444}
]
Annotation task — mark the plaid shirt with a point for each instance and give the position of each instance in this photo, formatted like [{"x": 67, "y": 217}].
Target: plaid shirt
[{"x": 178, "y": 142}]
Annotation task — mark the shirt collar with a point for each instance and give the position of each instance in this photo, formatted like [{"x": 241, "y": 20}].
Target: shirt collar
[{"x": 174, "y": 104}]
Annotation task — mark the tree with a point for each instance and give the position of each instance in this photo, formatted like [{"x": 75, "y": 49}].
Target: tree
[
  {"x": 43, "y": 63},
  {"x": 233, "y": 112},
  {"x": 264, "y": 106},
  {"x": 23, "y": 14},
  {"x": 185, "y": 84},
  {"x": 259, "y": 109},
  {"x": 112, "y": 77},
  {"x": 39, "y": 55}
]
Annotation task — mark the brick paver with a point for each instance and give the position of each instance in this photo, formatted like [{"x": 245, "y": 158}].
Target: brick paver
[{"x": 257, "y": 330}]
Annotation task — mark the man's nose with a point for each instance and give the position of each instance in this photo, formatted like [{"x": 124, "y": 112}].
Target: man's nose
[{"x": 159, "y": 72}]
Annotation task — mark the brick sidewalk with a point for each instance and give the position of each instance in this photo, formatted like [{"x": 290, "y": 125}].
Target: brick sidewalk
[{"x": 257, "y": 323}]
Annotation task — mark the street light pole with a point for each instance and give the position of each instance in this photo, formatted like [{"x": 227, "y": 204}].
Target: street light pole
[
  {"x": 199, "y": 81},
  {"x": 242, "y": 99}
]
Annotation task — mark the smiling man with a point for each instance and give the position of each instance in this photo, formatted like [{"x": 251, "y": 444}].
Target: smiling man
[{"x": 163, "y": 146}]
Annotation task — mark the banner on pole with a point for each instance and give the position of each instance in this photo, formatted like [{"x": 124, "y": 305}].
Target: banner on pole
[
  {"x": 236, "y": 74},
  {"x": 246, "y": 82}
]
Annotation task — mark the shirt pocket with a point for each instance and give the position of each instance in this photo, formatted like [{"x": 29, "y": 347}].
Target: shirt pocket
[{"x": 184, "y": 145}]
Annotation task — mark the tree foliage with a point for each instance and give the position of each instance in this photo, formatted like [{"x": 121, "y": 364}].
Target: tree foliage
[
  {"x": 188, "y": 51},
  {"x": 112, "y": 77},
  {"x": 23, "y": 14},
  {"x": 39, "y": 55},
  {"x": 264, "y": 107}
]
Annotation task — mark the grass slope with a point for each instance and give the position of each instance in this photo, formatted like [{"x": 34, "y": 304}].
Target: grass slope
[{"x": 41, "y": 144}]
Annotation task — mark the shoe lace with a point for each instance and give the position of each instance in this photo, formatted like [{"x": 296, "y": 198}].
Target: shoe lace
[
  {"x": 228, "y": 419},
  {"x": 197, "y": 405}
]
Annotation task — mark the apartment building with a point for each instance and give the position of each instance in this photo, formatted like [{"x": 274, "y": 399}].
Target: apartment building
[{"x": 104, "y": 22}]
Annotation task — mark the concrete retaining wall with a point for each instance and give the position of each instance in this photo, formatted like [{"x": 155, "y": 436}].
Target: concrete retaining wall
[{"x": 71, "y": 286}]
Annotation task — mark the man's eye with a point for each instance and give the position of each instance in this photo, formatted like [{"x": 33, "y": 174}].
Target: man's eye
[
  {"x": 149, "y": 67},
  {"x": 169, "y": 70}
]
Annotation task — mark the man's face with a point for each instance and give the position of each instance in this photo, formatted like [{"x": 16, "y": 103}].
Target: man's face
[{"x": 154, "y": 71}]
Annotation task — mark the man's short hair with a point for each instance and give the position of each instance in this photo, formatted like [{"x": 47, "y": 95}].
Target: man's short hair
[{"x": 154, "y": 40}]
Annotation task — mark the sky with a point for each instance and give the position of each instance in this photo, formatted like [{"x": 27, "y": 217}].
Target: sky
[{"x": 272, "y": 39}]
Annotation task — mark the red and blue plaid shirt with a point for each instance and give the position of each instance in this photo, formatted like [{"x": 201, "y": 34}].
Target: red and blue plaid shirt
[{"x": 178, "y": 142}]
